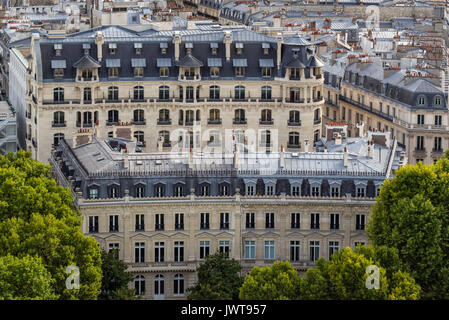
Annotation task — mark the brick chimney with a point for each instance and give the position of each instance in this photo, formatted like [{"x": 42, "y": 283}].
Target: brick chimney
[{"x": 82, "y": 136}]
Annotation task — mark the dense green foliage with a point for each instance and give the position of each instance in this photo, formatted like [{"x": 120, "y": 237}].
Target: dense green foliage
[
  {"x": 218, "y": 279},
  {"x": 114, "y": 284},
  {"x": 37, "y": 218},
  {"x": 277, "y": 282},
  {"x": 411, "y": 214},
  {"x": 24, "y": 279}
]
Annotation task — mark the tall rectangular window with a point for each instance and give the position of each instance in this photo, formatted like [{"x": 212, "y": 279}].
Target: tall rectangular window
[
  {"x": 93, "y": 224},
  {"x": 140, "y": 223},
  {"x": 314, "y": 221},
  {"x": 360, "y": 222},
  {"x": 333, "y": 247},
  {"x": 296, "y": 190},
  {"x": 420, "y": 119},
  {"x": 360, "y": 192},
  {"x": 295, "y": 250},
  {"x": 159, "y": 221},
  {"x": 335, "y": 191},
  {"x": 139, "y": 252},
  {"x": 295, "y": 220},
  {"x": 335, "y": 221},
  {"x": 204, "y": 249},
  {"x": 314, "y": 250},
  {"x": 178, "y": 251},
  {"x": 224, "y": 246},
  {"x": 420, "y": 143},
  {"x": 250, "y": 220},
  {"x": 179, "y": 221},
  {"x": 115, "y": 247},
  {"x": 224, "y": 220},
  {"x": 438, "y": 120},
  {"x": 159, "y": 252},
  {"x": 250, "y": 249},
  {"x": 269, "y": 249},
  {"x": 113, "y": 223},
  {"x": 204, "y": 223},
  {"x": 437, "y": 144},
  {"x": 269, "y": 220}
]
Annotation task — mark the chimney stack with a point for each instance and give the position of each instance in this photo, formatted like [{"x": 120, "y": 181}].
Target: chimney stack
[
  {"x": 360, "y": 126},
  {"x": 370, "y": 149},
  {"x": 99, "y": 41},
  {"x": 227, "y": 41},
  {"x": 177, "y": 42},
  {"x": 345, "y": 158}
]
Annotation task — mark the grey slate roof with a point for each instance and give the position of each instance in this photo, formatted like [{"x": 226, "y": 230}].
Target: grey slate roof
[
  {"x": 86, "y": 61},
  {"x": 189, "y": 61},
  {"x": 58, "y": 64}
]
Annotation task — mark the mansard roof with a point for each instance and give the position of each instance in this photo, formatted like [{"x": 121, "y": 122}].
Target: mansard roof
[{"x": 86, "y": 62}]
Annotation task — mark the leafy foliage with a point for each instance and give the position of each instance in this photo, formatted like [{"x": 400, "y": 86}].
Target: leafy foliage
[
  {"x": 411, "y": 215},
  {"x": 114, "y": 284},
  {"x": 218, "y": 279}
]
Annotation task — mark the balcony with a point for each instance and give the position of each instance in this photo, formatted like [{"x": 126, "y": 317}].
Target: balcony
[
  {"x": 317, "y": 99},
  {"x": 184, "y": 77},
  {"x": 87, "y": 124},
  {"x": 366, "y": 108},
  {"x": 420, "y": 152},
  {"x": 239, "y": 121},
  {"x": 139, "y": 122},
  {"x": 93, "y": 78},
  {"x": 56, "y": 102},
  {"x": 59, "y": 124},
  {"x": 294, "y": 145},
  {"x": 164, "y": 122},
  {"x": 266, "y": 121},
  {"x": 316, "y": 121},
  {"x": 294, "y": 100},
  {"x": 293, "y": 123},
  {"x": 140, "y": 227},
  {"x": 111, "y": 122},
  {"x": 213, "y": 121}
]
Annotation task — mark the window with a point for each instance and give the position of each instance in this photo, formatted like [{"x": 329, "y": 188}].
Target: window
[
  {"x": 293, "y": 140},
  {"x": 266, "y": 116},
  {"x": 239, "y": 71},
  {"x": 295, "y": 73},
  {"x": 204, "y": 190},
  {"x": 360, "y": 192},
  {"x": 266, "y": 93},
  {"x": 314, "y": 250},
  {"x": 159, "y": 285},
  {"x": 239, "y": 116},
  {"x": 138, "y": 72},
  {"x": 437, "y": 144},
  {"x": 265, "y": 138},
  {"x": 420, "y": 143},
  {"x": 315, "y": 191},
  {"x": 87, "y": 94},
  {"x": 140, "y": 191},
  {"x": 266, "y": 72},
  {"x": 269, "y": 220},
  {"x": 438, "y": 120},
  {"x": 269, "y": 250},
  {"x": 164, "y": 93},
  {"x": 421, "y": 100},
  {"x": 204, "y": 223},
  {"x": 139, "y": 136},
  {"x": 113, "y": 116},
  {"x": 204, "y": 249},
  {"x": 58, "y": 73},
  {"x": 113, "y": 223},
  {"x": 56, "y": 138},
  {"x": 333, "y": 247},
  {"x": 250, "y": 190},
  {"x": 295, "y": 250},
  {"x": 178, "y": 191},
  {"x": 295, "y": 220},
  {"x": 93, "y": 193},
  {"x": 420, "y": 119},
  {"x": 224, "y": 220},
  {"x": 159, "y": 221},
  {"x": 178, "y": 251},
  {"x": 335, "y": 221},
  {"x": 360, "y": 222},
  {"x": 139, "y": 284},
  {"x": 139, "y": 252},
  {"x": 178, "y": 285},
  {"x": 214, "y": 71},
  {"x": 250, "y": 249},
  {"x": 214, "y": 92},
  {"x": 179, "y": 221},
  {"x": 224, "y": 190},
  {"x": 159, "y": 251},
  {"x": 296, "y": 190},
  {"x": 163, "y": 72},
  {"x": 58, "y": 94},
  {"x": 115, "y": 247},
  {"x": 314, "y": 221},
  {"x": 159, "y": 191},
  {"x": 140, "y": 222},
  {"x": 93, "y": 224},
  {"x": 87, "y": 119},
  {"x": 335, "y": 191},
  {"x": 113, "y": 72},
  {"x": 437, "y": 101},
  {"x": 293, "y": 117},
  {"x": 224, "y": 246},
  {"x": 239, "y": 92},
  {"x": 269, "y": 190},
  {"x": 138, "y": 93},
  {"x": 295, "y": 95},
  {"x": 250, "y": 220},
  {"x": 113, "y": 93}
]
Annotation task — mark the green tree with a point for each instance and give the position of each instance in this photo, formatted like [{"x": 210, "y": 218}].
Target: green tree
[
  {"x": 344, "y": 277},
  {"x": 25, "y": 279},
  {"x": 279, "y": 281},
  {"x": 218, "y": 279},
  {"x": 411, "y": 214},
  {"x": 38, "y": 218},
  {"x": 114, "y": 284}
]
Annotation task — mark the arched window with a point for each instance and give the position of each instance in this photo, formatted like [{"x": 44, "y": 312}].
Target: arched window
[
  {"x": 57, "y": 137},
  {"x": 293, "y": 140},
  {"x": 139, "y": 116},
  {"x": 178, "y": 285},
  {"x": 164, "y": 116},
  {"x": 214, "y": 115},
  {"x": 112, "y": 117},
  {"x": 139, "y": 136},
  {"x": 190, "y": 115},
  {"x": 265, "y": 116},
  {"x": 266, "y": 93},
  {"x": 164, "y": 93},
  {"x": 159, "y": 285},
  {"x": 113, "y": 93},
  {"x": 58, "y": 119},
  {"x": 58, "y": 94},
  {"x": 138, "y": 93},
  {"x": 293, "y": 118},
  {"x": 239, "y": 116},
  {"x": 139, "y": 284},
  {"x": 87, "y": 119},
  {"x": 214, "y": 92},
  {"x": 198, "y": 115},
  {"x": 239, "y": 92},
  {"x": 438, "y": 101},
  {"x": 113, "y": 192}
]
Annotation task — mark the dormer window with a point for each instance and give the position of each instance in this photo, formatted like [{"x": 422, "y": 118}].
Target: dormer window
[
  {"x": 138, "y": 65},
  {"x": 437, "y": 101},
  {"x": 239, "y": 65},
  {"x": 239, "y": 47},
  {"x": 58, "y": 49},
  {"x": 163, "y": 64},
  {"x": 214, "y": 48},
  {"x": 266, "y": 48},
  {"x": 189, "y": 47},
  {"x": 266, "y": 65},
  {"x": 138, "y": 47},
  {"x": 58, "y": 67},
  {"x": 163, "y": 72},
  {"x": 421, "y": 100},
  {"x": 163, "y": 46},
  {"x": 112, "y": 48},
  {"x": 113, "y": 65},
  {"x": 214, "y": 71},
  {"x": 58, "y": 73},
  {"x": 86, "y": 48},
  {"x": 214, "y": 64}
]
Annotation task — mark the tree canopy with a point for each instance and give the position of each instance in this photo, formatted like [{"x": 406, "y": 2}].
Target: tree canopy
[
  {"x": 218, "y": 279},
  {"x": 411, "y": 215},
  {"x": 38, "y": 218},
  {"x": 114, "y": 284}
]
